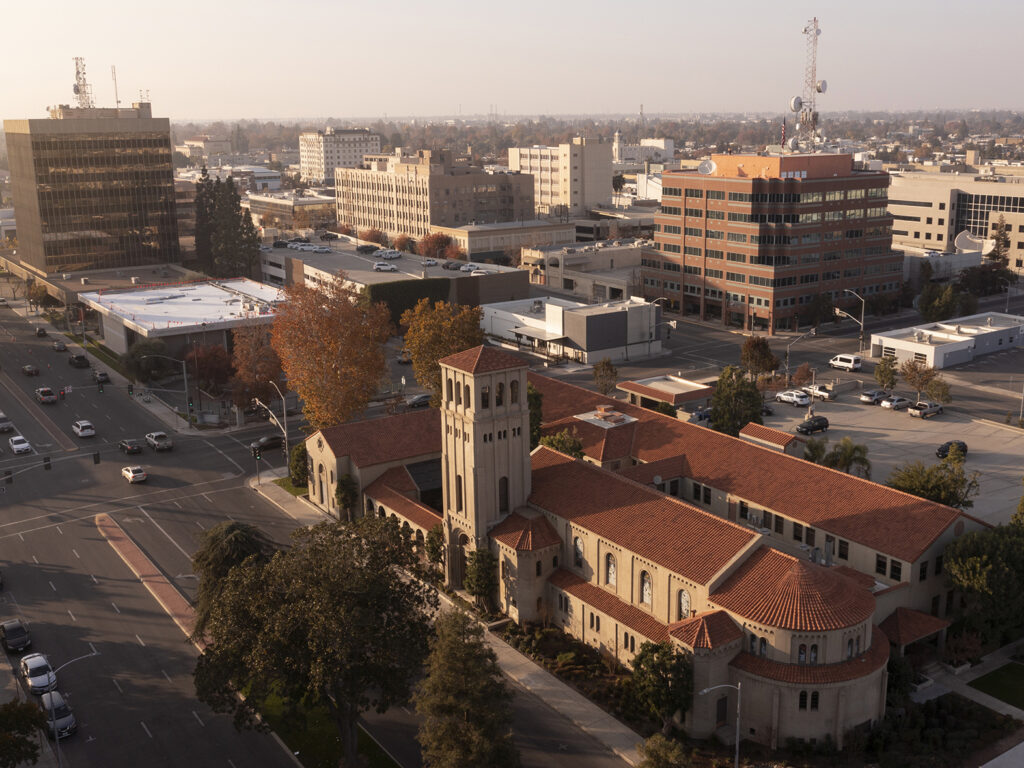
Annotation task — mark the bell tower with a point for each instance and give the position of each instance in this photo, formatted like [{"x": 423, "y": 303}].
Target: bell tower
[{"x": 485, "y": 457}]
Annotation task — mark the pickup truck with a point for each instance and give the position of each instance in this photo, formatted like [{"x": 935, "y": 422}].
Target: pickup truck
[
  {"x": 924, "y": 408},
  {"x": 159, "y": 441},
  {"x": 823, "y": 391}
]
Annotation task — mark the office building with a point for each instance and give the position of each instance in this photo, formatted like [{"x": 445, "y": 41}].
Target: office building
[
  {"x": 320, "y": 152},
  {"x": 567, "y": 179},
  {"x": 754, "y": 239},
  {"x": 410, "y": 194},
  {"x": 93, "y": 188}
]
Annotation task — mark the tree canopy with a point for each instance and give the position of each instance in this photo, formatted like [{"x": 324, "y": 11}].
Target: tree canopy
[
  {"x": 19, "y": 722},
  {"x": 735, "y": 403},
  {"x": 988, "y": 567},
  {"x": 849, "y": 457},
  {"x": 606, "y": 376},
  {"x": 946, "y": 482},
  {"x": 885, "y": 373},
  {"x": 923, "y": 378},
  {"x": 663, "y": 682},
  {"x": 564, "y": 442},
  {"x": 659, "y": 752},
  {"x": 535, "y": 401},
  {"x": 436, "y": 330},
  {"x": 757, "y": 357},
  {"x": 256, "y": 364},
  {"x": 433, "y": 246}
]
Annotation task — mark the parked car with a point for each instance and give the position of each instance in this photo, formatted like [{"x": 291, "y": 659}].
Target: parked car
[
  {"x": 418, "y": 401},
  {"x": 265, "y": 249},
  {"x": 767, "y": 410},
  {"x": 134, "y": 474},
  {"x": 60, "y": 720},
  {"x": 366, "y": 248},
  {"x": 823, "y": 391},
  {"x": 100, "y": 377},
  {"x": 3, "y": 301},
  {"x": 383, "y": 266},
  {"x": 280, "y": 243},
  {"x": 83, "y": 428},
  {"x": 943, "y": 450},
  {"x": 404, "y": 357},
  {"x": 40, "y": 331},
  {"x": 452, "y": 264},
  {"x": 60, "y": 346},
  {"x": 873, "y": 396},
  {"x": 925, "y": 408},
  {"x": 6, "y": 425},
  {"x": 845, "y": 362},
  {"x": 19, "y": 444},
  {"x": 813, "y": 424},
  {"x": 15, "y": 635},
  {"x": 428, "y": 263},
  {"x": 468, "y": 267},
  {"x": 793, "y": 397},
  {"x": 39, "y": 675},
  {"x": 478, "y": 272},
  {"x": 895, "y": 402},
  {"x": 265, "y": 443},
  {"x": 29, "y": 370},
  {"x": 130, "y": 446},
  {"x": 78, "y": 361},
  {"x": 387, "y": 254},
  {"x": 321, "y": 249},
  {"x": 328, "y": 236},
  {"x": 46, "y": 395},
  {"x": 159, "y": 441}
]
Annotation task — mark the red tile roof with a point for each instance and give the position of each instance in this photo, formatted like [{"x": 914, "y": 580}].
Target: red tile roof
[
  {"x": 483, "y": 360},
  {"x": 600, "y": 443},
  {"x": 390, "y": 490},
  {"x": 525, "y": 534},
  {"x": 864, "y": 580},
  {"x": 871, "y": 661},
  {"x": 711, "y": 629},
  {"x": 905, "y": 626},
  {"x": 392, "y": 438},
  {"x": 665, "y": 530},
  {"x": 779, "y": 590},
  {"x": 882, "y": 518},
  {"x": 607, "y": 603},
  {"x": 767, "y": 434}
]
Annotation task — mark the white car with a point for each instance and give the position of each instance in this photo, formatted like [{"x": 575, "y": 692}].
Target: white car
[
  {"x": 321, "y": 249},
  {"x": 39, "y": 675},
  {"x": 19, "y": 444},
  {"x": 896, "y": 403},
  {"x": 429, "y": 263},
  {"x": 387, "y": 253},
  {"x": 383, "y": 266},
  {"x": 793, "y": 397},
  {"x": 133, "y": 474},
  {"x": 469, "y": 268},
  {"x": 83, "y": 428}
]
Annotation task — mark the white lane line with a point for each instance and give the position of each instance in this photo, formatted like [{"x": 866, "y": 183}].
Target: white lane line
[
  {"x": 93, "y": 648},
  {"x": 199, "y": 524},
  {"x": 167, "y": 676},
  {"x": 115, "y": 607},
  {"x": 51, "y": 586},
  {"x": 177, "y": 505},
  {"x": 231, "y": 763},
  {"x": 71, "y": 615},
  {"x": 75, "y": 553},
  {"x": 198, "y": 718},
  {"x": 35, "y": 560},
  {"x": 145, "y": 729},
  {"x": 94, "y": 579},
  {"x": 60, "y": 531},
  {"x": 140, "y": 641},
  {"x": 218, "y": 450},
  {"x": 20, "y": 536},
  {"x": 117, "y": 685},
  {"x": 208, "y": 500},
  {"x": 165, "y": 533}
]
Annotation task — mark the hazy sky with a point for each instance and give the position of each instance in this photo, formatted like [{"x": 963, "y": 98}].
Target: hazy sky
[{"x": 367, "y": 58}]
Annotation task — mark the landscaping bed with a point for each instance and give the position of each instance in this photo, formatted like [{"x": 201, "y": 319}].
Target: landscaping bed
[{"x": 1005, "y": 683}]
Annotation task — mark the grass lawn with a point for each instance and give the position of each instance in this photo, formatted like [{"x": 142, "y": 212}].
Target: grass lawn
[
  {"x": 286, "y": 483},
  {"x": 1005, "y": 683}
]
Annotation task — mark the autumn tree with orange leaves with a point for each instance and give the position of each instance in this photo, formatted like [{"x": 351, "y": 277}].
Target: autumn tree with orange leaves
[
  {"x": 331, "y": 346},
  {"x": 436, "y": 331},
  {"x": 256, "y": 364}
]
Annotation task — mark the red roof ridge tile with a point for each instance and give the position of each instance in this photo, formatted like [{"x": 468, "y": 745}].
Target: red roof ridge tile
[
  {"x": 768, "y": 434},
  {"x": 906, "y": 625},
  {"x": 869, "y": 662},
  {"x": 483, "y": 359},
  {"x": 525, "y": 534},
  {"x": 709, "y": 630},
  {"x": 391, "y": 438},
  {"x": 609, "y": 604}
]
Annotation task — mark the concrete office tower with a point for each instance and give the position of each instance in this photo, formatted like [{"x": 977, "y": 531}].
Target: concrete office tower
[
  {"x": 320, "y": 152},
  {"x": 409, "y": 194},
  {"x": 93, "y": 189},
  {"x": 752, "y": 239},
  {"x": 568, "y": 179}
]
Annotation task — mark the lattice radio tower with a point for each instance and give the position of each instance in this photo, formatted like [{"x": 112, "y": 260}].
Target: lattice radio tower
[
  {"x": 805, "y": 106},
  {"x": 81, "y": 88}
]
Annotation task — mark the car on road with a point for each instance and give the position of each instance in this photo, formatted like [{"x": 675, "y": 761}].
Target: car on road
[
  {"x": 943, "y": 450},
  {"x": 130, "y": 445},
  {"x": 83, "y": 428},
  {"x": 280, "y": 243},
  {"x": 5, "y": 423},
  {"x": 452, "y": 264},
  {"x": 19, "y": 444},
  {"x": 895, "y": 402},
  {"x": 78, "y": 361},
  {"x": 39, "y": 675},
  {"x": 813, "y": 424},
  {"x": 60, "y": 720},
  {"x": 265, "y": 443},
  {"x": 418, "y": 401},
  {"x": 15, "y": 635},
  {"x": 845, "y": 362},
  {"x": 100, "y": 377},
  {"x": 428, "y": 263},
  {"x": 793, "y": 397},
  {"x": 387, "y": 254},
  {"x": 46, "y": 395},
  {"x": 40, "y": 331},
  {"x": 29, "y": 370},
  {"x": 134, "y": 474},
  {"x": 159, "y": 441},
  {"x": 468, "y": 267},
  {"x": 873, "y": 396},
  {"x": 3, "y": 301},
  {"x": 60, "y": 346},
  {"x": 383, "y": 266},
  {"x": 405, "y": 357},
  {"x": 924, "y": 409},
  {"x": 321, "y": 249}
]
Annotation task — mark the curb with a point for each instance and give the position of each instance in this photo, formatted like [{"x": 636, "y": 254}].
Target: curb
[{"x": 1001, "y": 425}]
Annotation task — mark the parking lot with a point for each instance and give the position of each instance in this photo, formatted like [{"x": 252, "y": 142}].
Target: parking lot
[{"x": 895, "y": 438}]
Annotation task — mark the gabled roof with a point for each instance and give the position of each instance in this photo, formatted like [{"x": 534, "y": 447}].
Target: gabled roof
[
  {"x": 483, "y": 360},
  {"x": 660, "y": 528},
  {"x": 708, "y": 630},
  {"x": 391, "y": 489},
  {"x": 905, "y": 626},
  {"x": 392, "y": 438},
  {"x": 607, "y": 603},
  {"x": 525, "y": 534},
  {"x": 876, "y": 657},
  {"x": 767, "y": 434},
  {"x": 779, "y": 590},
  {"x": 601, "y": 443}
]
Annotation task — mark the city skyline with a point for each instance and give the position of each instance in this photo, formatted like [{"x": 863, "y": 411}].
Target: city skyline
[{"x": 235, "y": 61}]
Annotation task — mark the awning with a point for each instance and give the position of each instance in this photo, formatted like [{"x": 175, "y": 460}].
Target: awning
[{"x": 537, "y": 333}]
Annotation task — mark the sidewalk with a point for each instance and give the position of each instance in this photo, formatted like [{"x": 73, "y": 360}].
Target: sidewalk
[
  {"x": 945, "y": 681},
  {"x": 562, "y": 698}
]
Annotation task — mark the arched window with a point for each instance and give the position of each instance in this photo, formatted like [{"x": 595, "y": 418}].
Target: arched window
[
  {"x": 753, "y": 644},
  {"x": 540, "y": 604},
  {"x": 468, "y": 397},
  {"x": 801, "y": 655},
  {"x": 814, "y": 700},
  {"x": 419, "y": 539},
  {"x": 554, "y": 562},
  {"x": 858, "y": 645},
  {"x": 803, "y": 699},
  {"x": 684, "y": 605},
  {"x": 458, "y": 395},
  {"x": 577, "y": 552},
  {"x": 632, "y": 644},
  {"x": 646, "y": 591},
  {"x": 369, "y": 507},
  {"x": 503, "y": 494},
  {"x": 609, "y": 569},
  {"x": 513, "y": 391},
  {"x": 458, "y": 493},
  {"x": 814, "y": 654},
  {"x": 499, "y": 395},
  {"x": 450, "y": 388},
  {"x": 380, "y": 511},
  {"x": 539, "y": 566},
  {"x": 485, "y": 397},
  {"x": 763, "y": 647},
  {"x": 849, "y": 648}
]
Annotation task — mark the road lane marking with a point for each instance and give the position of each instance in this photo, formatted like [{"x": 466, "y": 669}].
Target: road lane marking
[
  {"x": 35, "y": 560},
  {"x": 60, "y": 531},
  {"x": 75, "y": 553},
  {"x": 140, "y": 641},
  {"x": 145, "y": 729},
  {"x": 51, "y": 586},
  {"x": 117, "y": 685},
  {"x": 165, "y": 533},
  {"x": 198, "y": 718},
  {"x": 93, "y": 649},
  {"x": 177, "y": 505},
  {"x": 232, "y": 461},
  {"x": 118, "y": 610},
  {"x": 72, "y": 615},
  {"x": 168, "y": 677},
  {"x": 94, "y": 579},
  {"x": 208, "y": 500}
]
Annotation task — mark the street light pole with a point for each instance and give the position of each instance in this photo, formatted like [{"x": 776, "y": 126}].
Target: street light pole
[
  {"x": 284, "y": 418},
  {"x": 739, "y": 693},
  {"x": 863, "y": 304},
  {"x": 811, "y": 332},
  {"x": 53, "y": 712},
  {"x": 1006, "y": 310},
  {"x": 184, "y": 373}
]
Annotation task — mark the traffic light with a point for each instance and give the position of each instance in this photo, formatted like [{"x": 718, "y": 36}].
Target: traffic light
[
  {"x": 131, "y": 390},
  {"x": 61, "y": 393},
  {"x": 190, "y": 402},
  {"x": 258, "y": 454},
  {"x": 99, "y": 387},
  {"x": 46, "y": 462}
]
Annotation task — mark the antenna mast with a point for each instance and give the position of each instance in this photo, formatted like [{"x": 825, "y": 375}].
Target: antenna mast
[
  {"x": 805, "y": 106},
  {"x": 113, "y": 74},
  {"x": 81, "y": 88}
]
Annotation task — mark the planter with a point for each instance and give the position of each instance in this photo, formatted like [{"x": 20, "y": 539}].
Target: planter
[{"x": 957, "y": 670}]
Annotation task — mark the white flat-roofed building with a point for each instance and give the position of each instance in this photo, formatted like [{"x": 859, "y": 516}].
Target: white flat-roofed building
[
  {"x": 951, "y": 342},
  {"x": 567, "y": 179},
  {"x": 320, "y": 152}
]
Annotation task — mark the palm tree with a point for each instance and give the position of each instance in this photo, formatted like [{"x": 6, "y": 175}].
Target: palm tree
[
  {"x": 848, "y": 456},
  {"x": 815, "y": 449}
]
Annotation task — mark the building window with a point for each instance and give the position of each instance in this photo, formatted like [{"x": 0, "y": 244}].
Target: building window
[
  {"x": 744, "y": 511},
  {"x": 696, "y": 491},
  {"x": 485, "y": 397},
  {"x": 499, "y": 395},
  {"x": 468, "y": 396},
  {"x": 814, "y": 654},
  {"x": 780, "y": 523},
  {"x": 577, "y": 552},
  {"x": 632, "y": 644},
  {"x": 803, "y": 700},
  {"x": 539, "y": 566},
  {"x": 798, "y": 532},
  {"x": 849, "y": 648},
  {"x": 938, "y": 565},
  {"x": 513, "y": 391},
  {"x": 458, "y": 493},
  {"x": 753, "y": 645},
  {"x": 449, "y": 390},
  {"x": 458, "y": 395},
  {"x": 844, "y": 550},
  {"x": 684, "y": 605},
  {"x": 554, "y": 562},
  {"x": 609, "y": 570},
  {"x": 801, "y": 655},
  {"x": 591, "y": 619},
  {"x": 503, "y": 494},
  {"x": 809, "y": 537},
  {"x": 766, "y": 519},
  {"x": 707, "y": 495},
  {"x": 923, "y": 576},
  {"x": 814, "y": 700},
  {"x": 763, "y": 647},
  {"x": 896, "y": 570},
  {"x": 880, "y": 563},
  {"x": 646, "y": 593}
]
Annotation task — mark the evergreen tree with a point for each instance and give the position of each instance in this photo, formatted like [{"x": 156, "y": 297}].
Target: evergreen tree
[
  {"x": 848, "y": 457},
  {"x": 946, "y": 482},
  {"x": 606, "y": 375},
  {"x": 663, "y": 682},
  {"x": 735, "y": 403},
  {"x": 481, "y": 579},
  {"x": 885, "y": 373},
  {"x": 757, "y": 357},
  {"x": 204, "y": 222},
  {"x": 564, "y": 442}
]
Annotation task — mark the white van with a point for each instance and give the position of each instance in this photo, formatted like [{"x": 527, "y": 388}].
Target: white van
[{"x": 845, "y": 362}]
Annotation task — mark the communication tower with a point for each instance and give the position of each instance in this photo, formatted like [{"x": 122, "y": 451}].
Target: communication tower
[
  {"x": 81, "y": 88},
  {"x": 805, "y": 106}
]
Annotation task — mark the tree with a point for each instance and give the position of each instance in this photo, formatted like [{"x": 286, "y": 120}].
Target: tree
[
  {"x": 209, "y": 368},
  {"x": 221, "y": 548},
  {"x": 433, "y": 246},
  {"x": 37, "y": 294},
  {"x": 454, "y": 252},
  {"x": 19, "y": 721},
  {"x": 481, "y": 580},
  {"x": 735, "y": 402},
  {"x": 606, "y": 375},
  {"x": 331, "y": 348},
  {"x": 815, "y": 449},
  {"x": 298, "y": 465},
  {"x": 347, "y": 495},
  {"x": 234, "y": 242},
  {"x": 1018, "y": 516},
  {"x": 138, "y": 362},
  {"x": 255, "y": 363},
  {"x": 849, "y": 457},
  {"x": 946, "y": 482},
  {"x": 435, "y": 331},
  {"x": 666, "y": 408},
  {"x": 1001, "y": 241},
  {"x": 564, "y": 442},
  {"x": 334, "y": 620},
  {"x": 618, "y": 182},
  {"x": 373, "y": 236},
  {"x": 404, "y": 243},
  {"x": 757, "y": 357},
  {"x": 663, "y": 682},
  {"x": 435, "y": 545},
  {"x": 463, "y": 700},
  {"x": 885, "y": 373},
  {"x": 988, "y": 567},
  {"x": 802, "y": 375},
  {"x": 204, "y": 222},
  {"x": 535, "y": 402},
  {"x": 918, "y": 375},
  {"x": 659, "y": 752}
]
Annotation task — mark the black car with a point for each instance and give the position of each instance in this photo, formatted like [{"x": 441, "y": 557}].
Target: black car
[
  {"x": 78, "y": 361},
  {"x": 328, "y": 236},
  {"x": 813, "y": 424},
  {"x": 15, "y": 635},
  {"x": 418, "y": 401},
  {"x": 5, "y": 424},
  {"x": 280, "y": 243},
  {"x": 453, "y": 264},
  {"x": 40, "y": 331},
  {"x": 366, "y": 248},
  {"x": 943, "y": 450},
  {"x": 130, "y": 446},
  {"x": 265, "y": 443},
  {"x": 767, "y": 410}
]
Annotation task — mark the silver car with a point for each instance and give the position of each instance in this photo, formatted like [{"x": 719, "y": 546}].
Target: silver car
[
  {"x": 60, "y": 720},
  {"x": 39, "y": 675}
]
